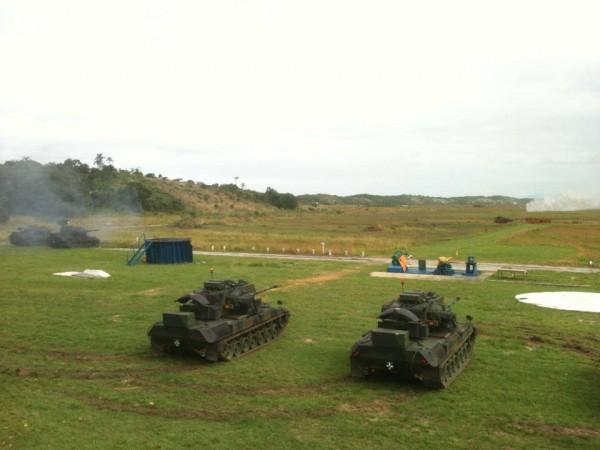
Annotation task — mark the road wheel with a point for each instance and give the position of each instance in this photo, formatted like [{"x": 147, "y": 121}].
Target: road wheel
[
  {"x": 237, "y": 348},
  {"x": 245, "y": 343},
  {"x": 227, "y": 354}
]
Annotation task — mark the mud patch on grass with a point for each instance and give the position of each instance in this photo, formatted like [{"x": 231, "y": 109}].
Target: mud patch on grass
[
  {"x": 212, "y": 414},
  {"x": 558, "y": 430},
  {"x": 148, "y": 410},
  {"x": 533, "y": 342},
  {"x": 92, "y": 374},
  {"x": 592, "y": 353},
  {"x": 319, "y": 279},
  {"x": 154, "y": 292},
  {"x": 375, "y": 407},
  {"x": 83, "y": 356}
]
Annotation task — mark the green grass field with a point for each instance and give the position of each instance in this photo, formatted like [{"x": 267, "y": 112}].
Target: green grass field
[
  {"x": 76, "y": 370},
  {"x": 570, "y": 238}
]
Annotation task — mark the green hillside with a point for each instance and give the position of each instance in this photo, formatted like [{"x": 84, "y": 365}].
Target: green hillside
[
  {"x": 73, "y": 188},
  {"x": 410, "y": 200}
]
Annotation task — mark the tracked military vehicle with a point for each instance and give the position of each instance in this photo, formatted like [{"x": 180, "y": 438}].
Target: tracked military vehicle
[
  {"x": 30, "y": 235},
  {"x": 71, "y": 237},
  {"x": 417, "y": 336},
  {"x": 221, "y": 321}
]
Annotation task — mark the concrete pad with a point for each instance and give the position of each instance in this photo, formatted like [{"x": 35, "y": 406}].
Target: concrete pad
[{"x": 429, "y": 277}]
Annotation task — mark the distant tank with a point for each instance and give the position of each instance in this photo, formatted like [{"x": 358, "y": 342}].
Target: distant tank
[
  {"x": 30, "y": 235},
  {"x": 71, "y": 237},
  {"x": 417, "y": 336},
  {"x": 221, "y": 321}
]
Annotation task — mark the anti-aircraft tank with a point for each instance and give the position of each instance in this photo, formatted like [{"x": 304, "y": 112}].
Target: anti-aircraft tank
[
  {"x": 72, "y": 237},
  {"x": 417, "y": 336},
  {"x": 30, "y": 235},
  {"x": 221, "y": 321}
]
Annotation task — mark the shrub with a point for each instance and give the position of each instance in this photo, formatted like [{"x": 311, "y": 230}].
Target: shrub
[{"x": 283, "y": 201}]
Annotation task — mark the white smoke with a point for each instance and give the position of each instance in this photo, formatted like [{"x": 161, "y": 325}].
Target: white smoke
[{"x": 564, "y": 202}]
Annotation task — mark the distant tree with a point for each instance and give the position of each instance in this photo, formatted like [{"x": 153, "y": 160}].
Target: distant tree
[
  {"x": 283, "y": 201},
  {"x": 99, "y": 160}
]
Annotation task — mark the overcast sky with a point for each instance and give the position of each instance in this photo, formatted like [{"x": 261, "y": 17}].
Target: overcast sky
[{"x": 435, "y": 98}]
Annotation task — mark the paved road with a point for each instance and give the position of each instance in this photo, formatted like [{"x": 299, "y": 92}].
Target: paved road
[{"x": 483, "y": 266}]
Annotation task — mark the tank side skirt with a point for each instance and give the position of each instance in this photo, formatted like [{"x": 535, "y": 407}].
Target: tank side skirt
[
  {"x": 220, "y": 347},
  {"x": 458, "y": 357}
]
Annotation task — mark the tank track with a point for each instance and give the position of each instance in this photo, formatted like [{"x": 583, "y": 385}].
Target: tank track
[
  {"x": 251, "y": 339},
  {"x": 442, "y": 376}
]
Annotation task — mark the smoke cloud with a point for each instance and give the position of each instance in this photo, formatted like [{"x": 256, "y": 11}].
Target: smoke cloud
[{"x": 564, "y": 202}]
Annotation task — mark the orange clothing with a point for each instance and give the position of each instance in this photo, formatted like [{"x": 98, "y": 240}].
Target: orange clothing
[{"x": 403, "y": 263}]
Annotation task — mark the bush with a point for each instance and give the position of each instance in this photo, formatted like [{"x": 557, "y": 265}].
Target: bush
[
  {"x": 188, "y": 221},
  {"x": 283, "y": 201},
  {"x": 153, "y": 199}
]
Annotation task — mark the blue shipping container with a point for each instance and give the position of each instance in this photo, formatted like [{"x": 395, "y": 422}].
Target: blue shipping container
[{"x": 169, "y": 251}]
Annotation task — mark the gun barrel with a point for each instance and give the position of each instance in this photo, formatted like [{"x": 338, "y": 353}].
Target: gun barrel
[
  {"x": 266, "y": 289},
  {"x": 456, "y": 300}
]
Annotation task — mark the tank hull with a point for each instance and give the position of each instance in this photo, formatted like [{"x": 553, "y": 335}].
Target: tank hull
[
  {"x": 60, "y": 241},
  {"x": 436, "y": 360},
  {"x": 222, "y": 339},
  {"x": 30, "y": 236}
]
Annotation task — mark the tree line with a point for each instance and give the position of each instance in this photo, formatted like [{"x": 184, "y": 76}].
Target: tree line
[{"x": 73, "y": 188}]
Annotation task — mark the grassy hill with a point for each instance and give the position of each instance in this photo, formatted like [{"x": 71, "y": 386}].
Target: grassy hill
[
  {"x": 410, "y": 200},
  {"x": 73, "y": 188}
]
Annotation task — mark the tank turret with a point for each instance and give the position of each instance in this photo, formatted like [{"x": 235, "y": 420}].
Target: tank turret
[
  {"x": 222, "y": 320},
  {"x": 70, "y": 237},
  {"x": 417, "y": 336}
]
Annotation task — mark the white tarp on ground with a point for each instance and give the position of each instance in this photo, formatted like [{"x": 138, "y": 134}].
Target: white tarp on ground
[
  {"x": 87, "y": 273},
  {"x": 568, "y": 301}
]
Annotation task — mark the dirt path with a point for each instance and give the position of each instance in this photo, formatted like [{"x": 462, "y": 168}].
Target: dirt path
[{"x": 318, "y": 279}]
